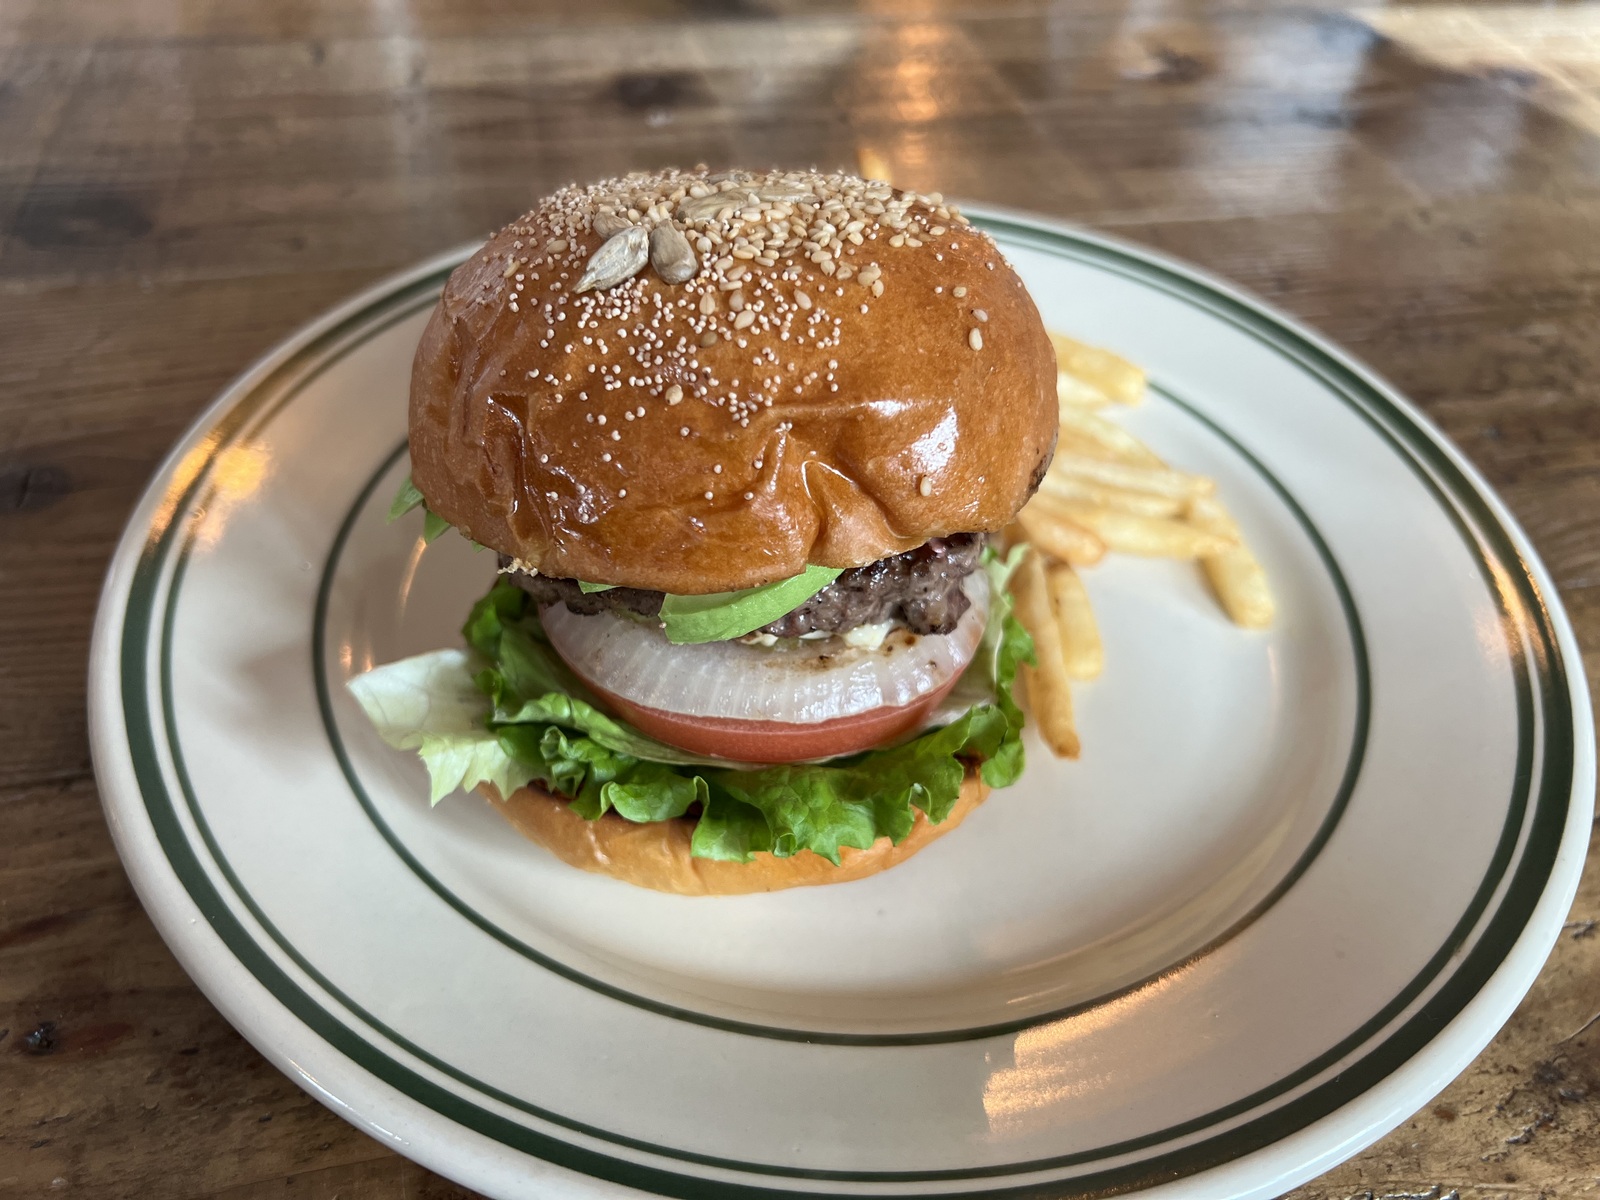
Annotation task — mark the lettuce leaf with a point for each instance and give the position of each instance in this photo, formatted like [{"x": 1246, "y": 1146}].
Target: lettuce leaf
[
  {"x": 433, "y": 525},
  {"x": 509, "y": 711},
  {"x": 409, "y": 498},
  {"x": 406, "y": 499},
  {"x": 432, "y": 704}
]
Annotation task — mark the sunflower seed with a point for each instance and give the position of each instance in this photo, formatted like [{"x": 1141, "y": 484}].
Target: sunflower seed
[
  {"x": 671, "y": 255},
  {"x": 702, "y": 208},
  {"x": 620, "y": 257},
  {"x": 609, "y": 224}
]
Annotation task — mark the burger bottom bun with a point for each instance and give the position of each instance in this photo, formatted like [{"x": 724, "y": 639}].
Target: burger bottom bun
[{"x": 657, "y": 855}]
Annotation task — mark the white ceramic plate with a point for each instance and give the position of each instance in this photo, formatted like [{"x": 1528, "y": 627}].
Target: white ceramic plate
[{"x": 1297, "y": 881}]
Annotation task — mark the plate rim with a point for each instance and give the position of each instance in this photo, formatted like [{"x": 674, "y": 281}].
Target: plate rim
[{"x": 1561, "y": 650}]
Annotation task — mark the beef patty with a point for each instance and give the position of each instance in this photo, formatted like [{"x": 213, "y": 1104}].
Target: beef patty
[{"x": 920, "y": 589}]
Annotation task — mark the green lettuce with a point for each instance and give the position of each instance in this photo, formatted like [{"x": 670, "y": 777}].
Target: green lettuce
[
  {"x": 433, "y": 705},
  {"x": 406, "y": 499},
  {"x": 509, "y": 711},
  {"x": 409, "y": 498}
]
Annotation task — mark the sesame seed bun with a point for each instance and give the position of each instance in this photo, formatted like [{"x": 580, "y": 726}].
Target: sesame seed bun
[
  {"x": 843, "y": 372},
  {"x": 656, "y": 856}
]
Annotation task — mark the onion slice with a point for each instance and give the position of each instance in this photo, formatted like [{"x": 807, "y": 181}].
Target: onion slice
[{"x": 799, "y": 682}]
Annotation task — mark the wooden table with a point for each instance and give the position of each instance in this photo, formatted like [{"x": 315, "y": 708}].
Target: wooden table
[{"x": 181, "y": 185}]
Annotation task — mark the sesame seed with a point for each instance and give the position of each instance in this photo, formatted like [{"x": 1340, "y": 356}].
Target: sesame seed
[
  {"x": 975, "y": 338},
  {"x": 684, "y": 431},
  {"x": 674, "y": 394},
  {"x": 958, "y": 293},
  {"x": 622, "y": 492},
  {"x": 925, "y": 486},
  {"x": 708, "y": 495},
  {"x": 980, "y": 314}
]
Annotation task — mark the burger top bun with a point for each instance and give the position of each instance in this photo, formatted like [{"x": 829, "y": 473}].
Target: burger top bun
[{"x": 695, "y": 382}]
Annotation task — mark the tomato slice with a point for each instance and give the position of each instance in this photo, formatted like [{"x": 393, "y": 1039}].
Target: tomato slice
[{"x": 775, "y": 741}]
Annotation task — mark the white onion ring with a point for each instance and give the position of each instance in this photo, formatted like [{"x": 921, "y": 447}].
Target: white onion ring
[{"x": 798, "y": 683}]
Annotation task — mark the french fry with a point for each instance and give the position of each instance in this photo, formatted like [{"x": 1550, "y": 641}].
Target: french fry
[
  {"x": 1146, "y": 504},
  {"x": 1045, "y": 526},
  {"x": 1151, "y": 537},
  {"x": 1069, "y": 441},
  {"x": 1072, "y": 392},
  {"x": 1082, "y": 428},
  {"x": 1081, "y": 649},
  {"x": 1110, "y": 374},
  {"x": 1162, "y": 481},
  {"x": 1235, "y": 574},
  {"x": 1049, "y": 693}
]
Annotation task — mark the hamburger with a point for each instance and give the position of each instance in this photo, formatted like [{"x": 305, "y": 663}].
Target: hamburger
[{"x": 740, "y": 443}]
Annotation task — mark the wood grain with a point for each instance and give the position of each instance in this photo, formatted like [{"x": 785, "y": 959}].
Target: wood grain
[{"x": 183, "y": 185}]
